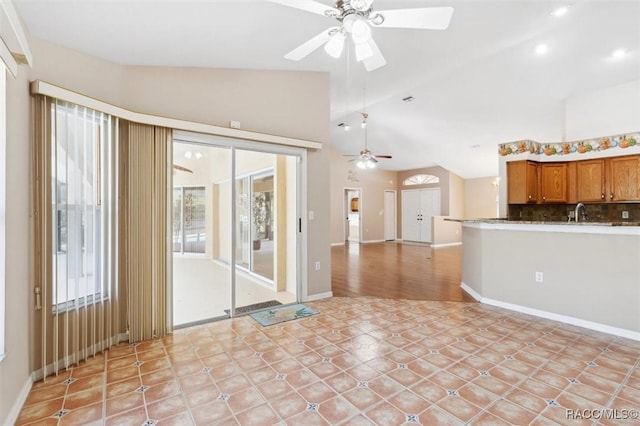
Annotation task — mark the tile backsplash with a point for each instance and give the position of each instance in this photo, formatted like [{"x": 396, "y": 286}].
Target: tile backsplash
[{"x": 599, "y": 212}]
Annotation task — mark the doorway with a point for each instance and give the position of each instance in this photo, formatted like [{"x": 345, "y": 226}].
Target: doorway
[
  {"x": 236, "y": 243},
  {"x": 353, "y": 215}
]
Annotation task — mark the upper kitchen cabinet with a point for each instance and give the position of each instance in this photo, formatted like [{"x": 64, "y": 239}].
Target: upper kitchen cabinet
[
  {"x": 522, "y": 182},
  {"x": 590, "y": 181},
  {"x": 553, "y": 182},
  {"x": 624, "y": 178}
]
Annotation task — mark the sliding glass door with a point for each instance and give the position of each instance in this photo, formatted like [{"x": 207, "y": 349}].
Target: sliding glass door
[
  {"x": 201, "y": 218},
  {"x": 239, "y": 207}
]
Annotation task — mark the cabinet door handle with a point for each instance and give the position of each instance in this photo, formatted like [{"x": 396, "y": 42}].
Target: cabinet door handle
[
  {"x": 602, "y": 196},
  {"x": 544, "y": 198},
  {"x": 611, "y": 196},
  {"x": 529, "y": 197}
]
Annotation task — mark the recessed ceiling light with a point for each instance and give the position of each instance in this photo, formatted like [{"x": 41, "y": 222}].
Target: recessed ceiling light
[
  {"x": 561, "y": 11},
  {"x": 619, "y": 53},
  {"x": 541, "y": 49}
]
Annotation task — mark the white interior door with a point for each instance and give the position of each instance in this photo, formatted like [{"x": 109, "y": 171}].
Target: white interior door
[
  {"x": 410, "y": 215},
  {"x": 429, "y": 207},
  {"x": 390, "y": 225}
]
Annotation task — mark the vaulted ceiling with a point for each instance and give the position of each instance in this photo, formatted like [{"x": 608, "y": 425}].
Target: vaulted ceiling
[{"x": 475, "y": 85}]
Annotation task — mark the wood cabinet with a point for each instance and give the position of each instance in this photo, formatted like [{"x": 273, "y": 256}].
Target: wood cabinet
[
  {"x": 624, "y": 178},
  {"x": 608, "y": 179},
  {"x": 590, "y": 180},
  {"x": 553, "y": 183},
  {"x": 522, "y": 182},
  {"x": 613, "y": 180}
]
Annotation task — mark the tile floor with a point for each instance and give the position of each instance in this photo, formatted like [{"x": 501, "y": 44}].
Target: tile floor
[{"x": 361, "y": 361}]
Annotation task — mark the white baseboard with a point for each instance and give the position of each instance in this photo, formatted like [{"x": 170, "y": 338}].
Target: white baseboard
[
  {"x": 372, "y": 241},
  {"x": 319, "y": 296},
  {"x": 446, "y": 245},
  {"x": 471, "y": 292},
  {"x": 337, "y": 244},
  {"x": 18, "y": 403},
  {"x": 621, "y": 332}
]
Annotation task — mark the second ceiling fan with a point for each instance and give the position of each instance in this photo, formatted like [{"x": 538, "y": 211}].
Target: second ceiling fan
[
  {"x": 366, "y": 159},
  {"x": 356, "y": 18}
]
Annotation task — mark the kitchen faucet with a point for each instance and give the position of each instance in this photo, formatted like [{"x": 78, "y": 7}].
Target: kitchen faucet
[{"x": 584, "y": 212}]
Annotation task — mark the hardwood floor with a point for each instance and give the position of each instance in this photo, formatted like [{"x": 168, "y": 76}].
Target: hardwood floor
[{"x": 397, "y": 271}]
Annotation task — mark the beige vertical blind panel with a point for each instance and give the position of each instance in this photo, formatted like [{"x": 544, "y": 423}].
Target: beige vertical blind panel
[
  {"x": 144, "y": 151},
  {"x": 73, "y": 178}
]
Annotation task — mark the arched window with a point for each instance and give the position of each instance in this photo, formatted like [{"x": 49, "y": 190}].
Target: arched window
[{"x": 420, "y": 180}]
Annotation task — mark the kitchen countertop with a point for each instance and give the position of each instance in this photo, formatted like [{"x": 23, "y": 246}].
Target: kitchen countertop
[
  {"x": 613, "y": 228},
  {"x": 547, "y": 222},
  {"x": 551, "y": 222}
]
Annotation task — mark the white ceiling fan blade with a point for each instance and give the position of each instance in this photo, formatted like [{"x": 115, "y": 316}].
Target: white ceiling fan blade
[
  {"x": 307, "y": 5},
  {"x": 376, "y": 60},
  {"x": 310, "y": 45},
  {"x": 430, "y": 18}
]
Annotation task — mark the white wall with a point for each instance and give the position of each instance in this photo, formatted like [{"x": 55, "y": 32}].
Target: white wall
[{"x": 605, "y": 112}]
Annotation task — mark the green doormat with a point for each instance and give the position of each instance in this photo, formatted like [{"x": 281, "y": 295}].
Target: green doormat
[{"x": 285, "y": 313}]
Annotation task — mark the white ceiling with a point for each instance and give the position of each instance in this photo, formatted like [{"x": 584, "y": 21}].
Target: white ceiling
[{"x": 477, "y": 84}]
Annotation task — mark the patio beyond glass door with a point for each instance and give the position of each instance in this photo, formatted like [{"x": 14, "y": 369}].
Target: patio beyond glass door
[
  {"x": 235, "y": 233},
  {"x": 201, "y": 227}
]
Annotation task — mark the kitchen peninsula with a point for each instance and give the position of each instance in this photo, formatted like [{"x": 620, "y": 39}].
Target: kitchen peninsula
[
  {"x": 585, "y": 274},
  {"x": 537, "y": 262}
]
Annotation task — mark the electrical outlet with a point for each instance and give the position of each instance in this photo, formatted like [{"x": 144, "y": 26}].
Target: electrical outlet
[
  {"x": 317, "y": 266},
  {"x": 625, "y": 214},
  {"x": 539, "y": 277},
  {"x": 234, "y": 124}
]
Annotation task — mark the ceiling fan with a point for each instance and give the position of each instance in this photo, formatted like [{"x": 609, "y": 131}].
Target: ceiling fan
[
  {"x": 366, "y": 159},
  {"x": 181, "y": 168},
  {"x": 356, "y": 18}
]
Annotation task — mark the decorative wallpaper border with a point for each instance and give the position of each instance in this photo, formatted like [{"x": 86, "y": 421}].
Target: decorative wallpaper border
[{"x": 563, "y": 148}]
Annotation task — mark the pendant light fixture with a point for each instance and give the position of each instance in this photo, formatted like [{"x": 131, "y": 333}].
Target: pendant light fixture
[
  {"x": 346, "y": 126},
  {"x": 366, "y": 160}
]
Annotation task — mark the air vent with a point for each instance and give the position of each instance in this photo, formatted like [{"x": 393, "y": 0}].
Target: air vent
[{"x": 408, "y": 99}]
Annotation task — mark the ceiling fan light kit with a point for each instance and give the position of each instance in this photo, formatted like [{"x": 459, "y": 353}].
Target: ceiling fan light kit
[
  {"x": 366, "y": 164},
  {"x": 335, "y": 45},
  {"x": 356, "y": 18}
]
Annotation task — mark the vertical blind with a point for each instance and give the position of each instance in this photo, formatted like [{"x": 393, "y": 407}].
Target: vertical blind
[
  {"x": 101, "y": 231},
  {"x": 74, "y": 163},
  {"x": 145, "y": 231}
]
